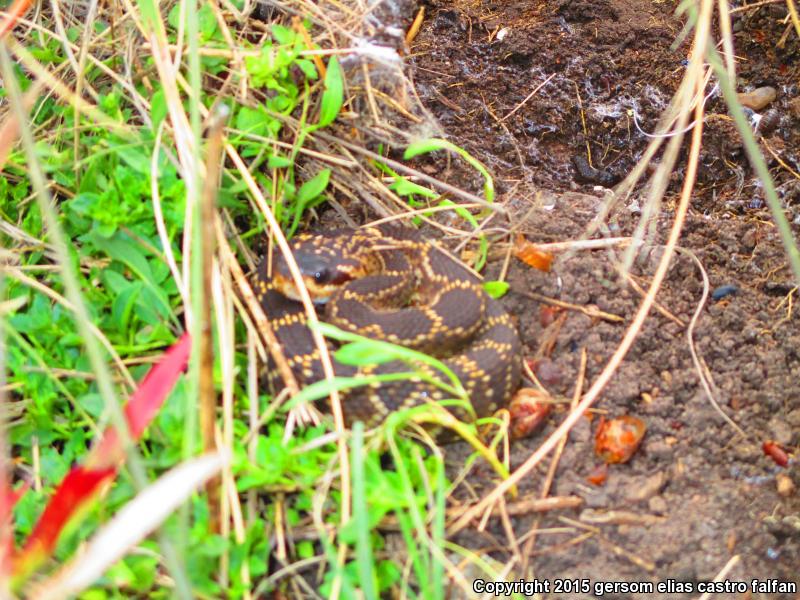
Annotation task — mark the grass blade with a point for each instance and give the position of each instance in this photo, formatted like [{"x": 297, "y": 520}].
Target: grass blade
[{"x": 364, "y": 556}]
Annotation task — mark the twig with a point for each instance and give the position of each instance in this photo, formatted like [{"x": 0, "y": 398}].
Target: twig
[
  {"x": 591, "y": 311},
  {"x": 657, "y": 305},
  {"x": 754, "y": 5},
  {"x": 412, "y": 32},
  {"x": 206, "y": 390}
]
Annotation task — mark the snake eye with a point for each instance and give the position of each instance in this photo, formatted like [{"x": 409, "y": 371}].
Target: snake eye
[{"x": 322, "y": 276}]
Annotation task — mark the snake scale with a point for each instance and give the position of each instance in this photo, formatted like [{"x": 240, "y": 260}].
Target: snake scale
[{"x": 388, "y": 283}]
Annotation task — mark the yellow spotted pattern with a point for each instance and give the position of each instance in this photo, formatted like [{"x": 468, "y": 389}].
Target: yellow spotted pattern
[{"x": 484, "y": 353}]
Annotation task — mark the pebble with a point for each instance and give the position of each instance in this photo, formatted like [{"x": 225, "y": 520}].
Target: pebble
[
  {"x": 784, "y": 485},
  {"x": 644, "y": 489},
  {"x": 659, "y": 450},
  {"x": 758, "y": 98},
  {"x": 749, "y": 239},
  {"x": 769, "y": 122},
  {"x": 585, "y": 173},
  {"x": 657, "y": 505}
]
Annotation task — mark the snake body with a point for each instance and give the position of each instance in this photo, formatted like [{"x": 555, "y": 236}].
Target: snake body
[{"x": 387, "y": 283}]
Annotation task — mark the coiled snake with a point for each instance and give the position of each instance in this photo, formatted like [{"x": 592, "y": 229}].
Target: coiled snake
[{"x": 387, "y": 283}]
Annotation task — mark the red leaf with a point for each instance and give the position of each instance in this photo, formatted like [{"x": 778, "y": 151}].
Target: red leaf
[
  {"x": 8, "y": 498},
  {"x": 74, "y": 492},
  {"x": 156, "y": 386},
  {"x": 14, "y": 12},
  {"x": 145, "y": 402},
  {"x": 530, "y": 254},
  {"x": 83, "y": 482}
]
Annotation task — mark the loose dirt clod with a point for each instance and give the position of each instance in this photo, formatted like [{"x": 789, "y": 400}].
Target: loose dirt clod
[{"x": 759, "y": 98}]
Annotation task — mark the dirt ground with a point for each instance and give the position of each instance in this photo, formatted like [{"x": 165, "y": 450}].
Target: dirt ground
[{"x": 696, "y": 493}]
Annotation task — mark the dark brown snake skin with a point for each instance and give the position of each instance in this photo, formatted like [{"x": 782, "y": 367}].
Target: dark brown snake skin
[{"x": 387, "y": 283}]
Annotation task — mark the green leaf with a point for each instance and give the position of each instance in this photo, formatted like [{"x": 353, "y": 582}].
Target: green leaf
[
  {"x": 132, "y": 256},
  {"x": 313, "y": 187},
  {"x": 252, "y": 120},
  {"x": 425, "y": 147},
  {"x": 305, "y": 549},
  {"x": 365, "y": 353},
  {"x": 404, "y": 187},
  {"x": 135, "y": 158},
  {"x": 333, "y": 96},
  {"x": 307, "y": 67},
  {"x": 277, "y": 162},
  {"x": 434, "y": 144},
  {"x": 158, "y": 108},
  {"x": 123, "y": 305},
  {"x": 365, "y": 557},
  {"x": 207, "y": 22},
  {"x": 496, "y": 289},
  {"x": 283, "y": 35}
]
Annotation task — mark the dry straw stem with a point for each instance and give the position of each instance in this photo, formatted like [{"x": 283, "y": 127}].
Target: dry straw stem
[
  {"x": 207, "y": 391},
  {"x": 277, "y": 236},
  {"x": 754, "y": 5},
  {"x": 161, "y": 57},
  {"x": 723, "y": 574},
  {"x": 691, "y": 85}
]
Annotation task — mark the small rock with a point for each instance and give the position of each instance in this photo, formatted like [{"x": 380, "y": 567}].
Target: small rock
[
  {"x": 750, "y": 334},
  {"x": 758, "y": 98},
  {"x": 749, "y": 239},
  {"x": 659, "y": 450},
  {"x": 640, "y": 489},
  {"x": 770, "y": 121},
  {"x": 657, "y": 505},
  {"x": 785, "y": 485},
  {"x": 596, "y": 498},
  {"x": 586, "y": 173}
]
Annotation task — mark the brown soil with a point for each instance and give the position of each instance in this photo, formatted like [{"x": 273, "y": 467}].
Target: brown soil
[{"x": 700, "y": 493}]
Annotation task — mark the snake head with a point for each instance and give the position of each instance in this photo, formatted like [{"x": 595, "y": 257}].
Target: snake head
[{"x": 324, "y": 269}]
